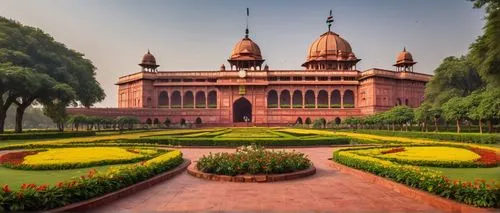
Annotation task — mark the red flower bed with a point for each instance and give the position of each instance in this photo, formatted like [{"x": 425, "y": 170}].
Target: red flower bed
[
  {"x": 393, "y": 150},
  {"x": 15, "y": 158},
  {"x": 488, "y": 157}
]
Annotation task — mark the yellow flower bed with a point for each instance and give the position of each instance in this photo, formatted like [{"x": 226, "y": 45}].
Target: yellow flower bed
[
  {"x": 437, "y": 153},
  {"x": 306, "y": 131},
  {"x": 165, "y": 157},
  {"x": 79, "y": 155}
]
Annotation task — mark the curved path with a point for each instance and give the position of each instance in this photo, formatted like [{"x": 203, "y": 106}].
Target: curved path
[{"x": 327, "y": 190}]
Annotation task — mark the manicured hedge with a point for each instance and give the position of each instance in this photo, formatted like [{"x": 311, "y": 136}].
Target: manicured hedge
[
  {"x": 235, "y": 142},
  {"x": 35, "y": 198},
  {"x": 480, "y": 193},
  {"x": 448, "y": 136},
  {"x": 44, "y": 135}
]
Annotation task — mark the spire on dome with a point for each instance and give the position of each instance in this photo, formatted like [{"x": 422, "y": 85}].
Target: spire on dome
[
  {"x": 329, "y": 21},
  {"x": 246, "y": 30}
]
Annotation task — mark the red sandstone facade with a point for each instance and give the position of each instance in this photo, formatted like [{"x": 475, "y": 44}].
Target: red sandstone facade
[{"x": 329, "y": 87}]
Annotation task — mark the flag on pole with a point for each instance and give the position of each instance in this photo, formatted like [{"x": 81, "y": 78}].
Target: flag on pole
[{"x": 330, "y": 18}]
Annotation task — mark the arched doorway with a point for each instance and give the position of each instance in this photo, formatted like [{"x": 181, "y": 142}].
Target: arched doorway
[{"x": 242, "y": 108}]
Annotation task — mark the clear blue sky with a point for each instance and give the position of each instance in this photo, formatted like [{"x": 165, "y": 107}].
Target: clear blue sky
[{"x": 199, "y": 34}]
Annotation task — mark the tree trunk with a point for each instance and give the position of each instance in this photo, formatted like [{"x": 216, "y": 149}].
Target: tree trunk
[
  {"x": 436, "y": 125},
  {"x": 490, "y": 126},
  {"x": 480, "y": 126},
  {"x": 3, "y": 115},
  {"x": 393, "y": 127},
  {"x": 19, "y": 119},
  {"x": 458, "y": 125},
  {"x": 4, "y": 106}
]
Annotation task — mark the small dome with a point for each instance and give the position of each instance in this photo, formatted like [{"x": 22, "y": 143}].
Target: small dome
[
  {"x": 148, "y": 59},
  {"x": 246, "y": 49},
  {"x": 330, "y": 46},
  {"x": 404, "y": 57}
]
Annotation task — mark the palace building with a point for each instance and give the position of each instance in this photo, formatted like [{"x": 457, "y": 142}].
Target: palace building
[{"x": 329, "y": 86}]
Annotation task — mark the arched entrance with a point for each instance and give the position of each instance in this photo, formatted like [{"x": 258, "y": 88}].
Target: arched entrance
[{"x": 242, "y": 108}]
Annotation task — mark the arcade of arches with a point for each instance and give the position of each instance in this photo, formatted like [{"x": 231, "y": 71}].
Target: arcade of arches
[
  {"x": 310, "y": 99},
  {"x": 187, "y": 100}
]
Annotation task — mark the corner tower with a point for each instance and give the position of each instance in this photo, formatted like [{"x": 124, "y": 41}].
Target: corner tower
[
  {"x": 148, "y": 63},
  {"x": 246, "y": 53},
  {"x": 404, "y": 61}
]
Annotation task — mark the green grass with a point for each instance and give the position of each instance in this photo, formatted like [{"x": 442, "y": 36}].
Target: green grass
[
  {"x": 15, "y": 178},
  {"x": 470, "y": 174}
]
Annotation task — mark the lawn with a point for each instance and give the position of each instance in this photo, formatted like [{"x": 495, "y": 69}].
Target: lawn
[
  {"x": 470, "y": 174},
  {"x": 15, "y": 178}
]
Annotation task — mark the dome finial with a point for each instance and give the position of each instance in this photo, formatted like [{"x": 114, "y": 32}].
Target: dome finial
[
  {"x": 246, "y": 30},
  {"x": 148, "y": 51},
  {"x": 329, "y": 21},
  {"x": 404, "y": 49}
]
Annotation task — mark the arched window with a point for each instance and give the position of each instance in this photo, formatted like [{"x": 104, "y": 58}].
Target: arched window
[
  {"x": 285, "y": 99},
  {"x": 335, "y": 99},
  {"x": 348, "y": 99},
  {"x": 322, "y": 99},
  {"x": 163, "y": 99},
  {"x": 407, "y": 103},
  {"x": 297, "y": 99},
  {"x": 398, "y": 102},
  {"x": 272, "y": 99},
  {"x": 176, "y": 100},
  {"x": 212, "y": 99},
  {"x": 183, "y": 122},
  {"x": 149, "y": 121},
  {"x": 309, "y": 99},
  {"x": 188, "y": 100},
  {"x": 200, "y": 100},
  {"x": 156, "y": 121},
  {"x": 308, "y": 120},
  {"x": 298, "y": 121}
]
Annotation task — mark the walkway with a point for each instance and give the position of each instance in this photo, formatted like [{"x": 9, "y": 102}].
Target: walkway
[{"x": 327, "y": 190}]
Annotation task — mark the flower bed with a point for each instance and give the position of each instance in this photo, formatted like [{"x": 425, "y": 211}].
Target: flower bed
[
  {"x": 446, "y": 136},
  {"x": 80, "y": 157},
  {"x": 479, "y": 193},
  {"x": 253, "y": 160},
  {"x": 35, "y": 198}
]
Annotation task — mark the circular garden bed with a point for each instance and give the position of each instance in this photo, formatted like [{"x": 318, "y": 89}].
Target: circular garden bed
[
  {"x": 437, "y": 156},
  {"x": 252, "y": 164},
  {"x": 79, "y": 157}
]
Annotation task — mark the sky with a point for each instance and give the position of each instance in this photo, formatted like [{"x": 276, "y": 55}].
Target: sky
[{"x": 200, "y": 34}]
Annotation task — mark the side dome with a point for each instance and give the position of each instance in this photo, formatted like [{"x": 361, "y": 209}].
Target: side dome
[
  {"x": 330, "y": 51},
  {"x": 404, "y": 57},
  {"x": 148, "y": 59},
  {"x": 246, "y": 49},
  {"x": 148, "y": 62}
]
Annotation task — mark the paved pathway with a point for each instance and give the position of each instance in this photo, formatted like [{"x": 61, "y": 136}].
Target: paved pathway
[{"x": 328, "y": 190}]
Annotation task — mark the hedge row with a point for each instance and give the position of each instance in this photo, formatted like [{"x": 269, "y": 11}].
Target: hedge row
[
  {"x": 233, "y": 142},
  {"x": 45, "y": 135},
  {"x": 448, "y": 136},
  {"x": 479, "y": 194},
  {"x": 35, "y": 198}
]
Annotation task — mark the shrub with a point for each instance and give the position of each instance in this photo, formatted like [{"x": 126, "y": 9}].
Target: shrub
[
  {"x": 44, "y": 135},
  {"x": 35, "y": 198},
  {"x": 297, "y": 106},
  {"x": 335, "y": 105},
  {"x": 310, "y": 106},
  {"x": 348, "y": 105},
  {"x": 479, "y": 194},
  {"x": 272, "y": 106},
  {"x": 212, "y": 106},
  {"x": 285, "y": 105},
  {"x": 253, "y": 160},
  {"x": 462, "y": 137}
]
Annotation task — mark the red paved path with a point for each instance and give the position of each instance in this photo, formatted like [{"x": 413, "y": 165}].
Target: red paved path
[{"x": 327, "y": 190}]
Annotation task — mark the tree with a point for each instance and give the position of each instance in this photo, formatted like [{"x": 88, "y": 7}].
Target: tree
[
  {"x": 455, "y": 109},
  {"x": 57, "y": 112},
  {"x": 423, "y": 114},
  {"x": 436, "y": 113},
  {"x": 402, "y": 115},
  {"x": 485, "y": 52},
  {"x": 167, "y": 122},
  {"x": 455, "y": 77},
  {"x": 31, "y": 48},
  {"x": 78, "y": 120},
  {"x": 488, "y": 107}
]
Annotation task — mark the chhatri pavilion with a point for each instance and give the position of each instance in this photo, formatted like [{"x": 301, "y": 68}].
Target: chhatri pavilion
[{"x": 329, "y": 86}]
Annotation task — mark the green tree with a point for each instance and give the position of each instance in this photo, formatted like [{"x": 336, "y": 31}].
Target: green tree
[
  {"x": 423, "y": 114},
  {"x": 485, "y": 52},
  {"x": 455, "y": 110},
  {"x": 436, "y": 113},
  {"x": 455, "y": 77},
  {"x": 487, "y": 107},
  {"x": 29, "y": 47}
]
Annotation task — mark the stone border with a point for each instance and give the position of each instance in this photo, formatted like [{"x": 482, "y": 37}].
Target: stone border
[
  {"x": 440, "y": 203},
  {"x": 193, "y": 171},
  {"x": 110, "y": 197}
]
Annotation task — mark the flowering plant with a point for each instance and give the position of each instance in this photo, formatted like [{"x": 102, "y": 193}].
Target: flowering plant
[{"x": 253, "y": 160}]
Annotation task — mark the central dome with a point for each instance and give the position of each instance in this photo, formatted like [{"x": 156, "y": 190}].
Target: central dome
[
  {"x": 329, "y": 46},
  {"x": 330, "y": 51},
  {"x": 246, "y": 49}
]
